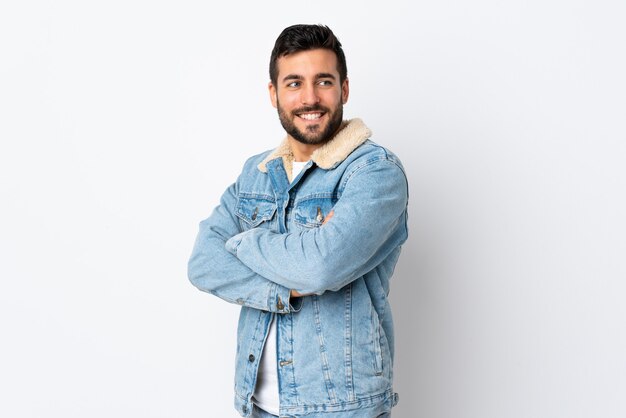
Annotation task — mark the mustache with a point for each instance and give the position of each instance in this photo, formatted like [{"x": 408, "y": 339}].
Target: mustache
[{"x": 316, "y": 108}]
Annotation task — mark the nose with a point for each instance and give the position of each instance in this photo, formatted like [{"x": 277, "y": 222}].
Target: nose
[{"x": 308, "y": 95}]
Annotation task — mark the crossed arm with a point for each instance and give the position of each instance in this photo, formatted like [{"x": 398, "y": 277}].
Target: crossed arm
[
  {"x": 213, "y": 269},
  {"x": 369, "y": 223},
  {"x": 263, "y": 269}
]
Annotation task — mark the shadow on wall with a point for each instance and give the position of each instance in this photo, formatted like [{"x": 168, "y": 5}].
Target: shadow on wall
[
  {"x": 407, "y": 290},
  {"x": 416, "y": 309}
]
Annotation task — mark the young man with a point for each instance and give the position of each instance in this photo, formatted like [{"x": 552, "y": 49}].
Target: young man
[{"x": 306, "y": 241}]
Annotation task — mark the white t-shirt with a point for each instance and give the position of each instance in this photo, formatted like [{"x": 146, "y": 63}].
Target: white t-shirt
[{"x": 266, "y": 390}]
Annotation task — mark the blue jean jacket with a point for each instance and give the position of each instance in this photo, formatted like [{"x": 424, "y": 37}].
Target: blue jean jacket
[{"x": 267, "y": 236}]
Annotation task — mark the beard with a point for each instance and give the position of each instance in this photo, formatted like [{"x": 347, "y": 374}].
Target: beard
[{"x": 314, "y": 134}]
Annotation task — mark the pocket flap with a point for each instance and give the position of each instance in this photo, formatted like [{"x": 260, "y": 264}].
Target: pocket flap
[
  {"x": 312, "y": 212},
  {"x": 255, "y": 210}
]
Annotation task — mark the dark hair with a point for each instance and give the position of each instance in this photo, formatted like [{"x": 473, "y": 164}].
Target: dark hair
[{"x": 298, "y": 38}]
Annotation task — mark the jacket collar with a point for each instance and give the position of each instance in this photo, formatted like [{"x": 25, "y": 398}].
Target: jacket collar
[{"x": 352, "y": 133}]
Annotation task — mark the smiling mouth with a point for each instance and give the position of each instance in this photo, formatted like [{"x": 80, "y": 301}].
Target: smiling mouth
[
  {"x": 311, "y": 116},
  {"x": 310, "y": 113}
]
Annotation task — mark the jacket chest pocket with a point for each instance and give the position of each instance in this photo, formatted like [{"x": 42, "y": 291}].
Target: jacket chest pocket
[
  {"x": 256, "y": 211},
  {"x": 311, "y": 212}
]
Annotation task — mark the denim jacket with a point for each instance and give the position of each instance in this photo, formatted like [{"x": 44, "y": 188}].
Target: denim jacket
[{"x": 267, "y": 236}]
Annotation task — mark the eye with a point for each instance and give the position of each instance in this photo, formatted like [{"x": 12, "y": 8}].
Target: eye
[
  {"x": 325, "y": 83},
  {"x": 294, "y": 84}
]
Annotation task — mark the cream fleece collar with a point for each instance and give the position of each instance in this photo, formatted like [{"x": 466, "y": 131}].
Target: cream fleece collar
[{"x": 352, "y": 134}]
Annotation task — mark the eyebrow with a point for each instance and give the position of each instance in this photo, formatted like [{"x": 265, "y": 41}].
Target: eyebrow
[{"x": 299, "y": 77}]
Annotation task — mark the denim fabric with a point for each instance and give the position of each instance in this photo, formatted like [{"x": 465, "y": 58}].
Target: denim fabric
[
  {"x": 259, "y": 413},
  {"x": 267, "y": 236}
]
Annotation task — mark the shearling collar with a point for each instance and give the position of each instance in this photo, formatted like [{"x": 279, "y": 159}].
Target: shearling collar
[{"x": 353, "y": 133}]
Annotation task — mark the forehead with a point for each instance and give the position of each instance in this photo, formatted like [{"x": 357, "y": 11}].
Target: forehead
[{"x": 308, "y": 63}]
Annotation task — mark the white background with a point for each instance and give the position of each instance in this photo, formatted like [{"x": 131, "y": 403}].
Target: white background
[{"x": 121, "y": 123}]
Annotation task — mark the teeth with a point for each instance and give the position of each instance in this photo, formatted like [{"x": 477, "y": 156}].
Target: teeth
[{"x": 311, "y": 116}]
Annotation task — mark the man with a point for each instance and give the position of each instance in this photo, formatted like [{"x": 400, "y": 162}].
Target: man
[{"x": 306, "y": 241}]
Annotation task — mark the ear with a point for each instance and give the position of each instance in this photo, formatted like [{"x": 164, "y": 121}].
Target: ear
[
  {"x": 345, "y": 91},
  {"x": 272, "y": 91}
]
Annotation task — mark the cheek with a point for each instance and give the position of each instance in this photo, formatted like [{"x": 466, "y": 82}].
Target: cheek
[
  {"x": 333, "y": 97},
  {"x": 288, "y": 102}
]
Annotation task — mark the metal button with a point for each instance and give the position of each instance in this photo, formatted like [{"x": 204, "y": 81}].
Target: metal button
[
  {"x": 320, "y": 216},
  {"x": 256, "y": 211},
  {"x": 244, "y": 409},
  {"x": 280, "y": 305},
  {"x": 251, "y": 358}
]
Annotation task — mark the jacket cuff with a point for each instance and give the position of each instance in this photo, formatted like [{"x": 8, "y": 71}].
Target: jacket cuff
[{"x": 282, "y": 302}]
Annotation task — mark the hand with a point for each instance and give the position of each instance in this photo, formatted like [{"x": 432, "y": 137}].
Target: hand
[{"x": 327, "y": 218}]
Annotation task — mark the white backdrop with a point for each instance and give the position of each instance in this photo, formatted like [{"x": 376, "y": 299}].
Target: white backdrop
[{"x": 121, "y": 123}]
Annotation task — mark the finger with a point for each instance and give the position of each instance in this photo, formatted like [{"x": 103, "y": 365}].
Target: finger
[{"x": 327, "y": 218}]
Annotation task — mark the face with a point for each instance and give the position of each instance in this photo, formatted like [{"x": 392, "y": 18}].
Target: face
[{"x": 309, "y": 95}]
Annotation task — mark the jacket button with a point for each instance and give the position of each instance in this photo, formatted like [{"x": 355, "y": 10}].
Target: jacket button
[
  {"x": 280, "y": 305},
  {"x": 251, "y": 358},
  {"x": 244, "y": 409},
  {"x": 320, "y": 215}
]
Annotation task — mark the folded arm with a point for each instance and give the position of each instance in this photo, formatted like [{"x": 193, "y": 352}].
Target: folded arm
[
  {"x": 214, "y": 270},
  {"x": 369, "y": 222}
]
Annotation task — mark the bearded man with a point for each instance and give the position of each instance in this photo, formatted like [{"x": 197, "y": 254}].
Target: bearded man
[{"x": 306, "y": 241}]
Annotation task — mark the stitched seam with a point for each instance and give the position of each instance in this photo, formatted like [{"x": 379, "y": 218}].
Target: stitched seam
[
  {"x": 367, "y": 163},
  {"x": 348, "y": 344},
  {"x": 325, "y": 366},
  {"x": 360, "y": 402}
]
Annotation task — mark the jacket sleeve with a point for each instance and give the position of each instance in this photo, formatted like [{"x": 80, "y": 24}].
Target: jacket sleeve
[
  {"x": 368, "y": 224},
  {"x": 213, "y": 269}
]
